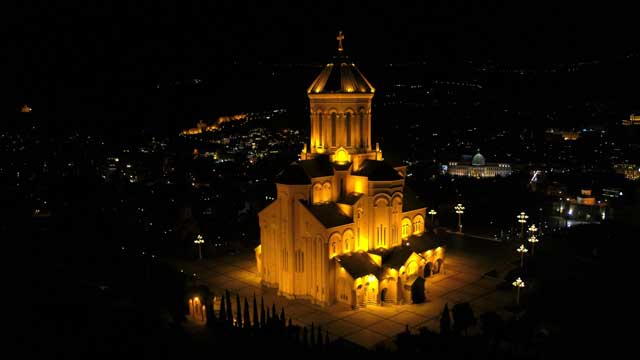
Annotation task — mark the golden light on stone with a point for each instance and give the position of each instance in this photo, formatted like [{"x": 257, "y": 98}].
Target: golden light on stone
[{"x": 339, "y": 202}]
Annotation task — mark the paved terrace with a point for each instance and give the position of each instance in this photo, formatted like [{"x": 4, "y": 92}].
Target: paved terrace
[{"x": 467, "y": 260}]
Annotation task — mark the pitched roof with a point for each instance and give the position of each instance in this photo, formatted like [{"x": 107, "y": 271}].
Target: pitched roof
[
  {"x": 329, "y": 215},
  {"x": 358, "y": 264},
  {"x": 376, "y": 170},
  {"x": 350, "y": 199},
  {"x": 395, "y": 257},
  {"x": 318, "y": 167},
  {"x": 411, "y": 200},
  {"x": 293, "y": 174},
  {"x": 340, "y": 76},
  {"x": 425, "y": 241}
]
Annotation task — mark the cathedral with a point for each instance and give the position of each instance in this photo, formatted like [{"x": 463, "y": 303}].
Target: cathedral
[{"x": 344, "y": 227}]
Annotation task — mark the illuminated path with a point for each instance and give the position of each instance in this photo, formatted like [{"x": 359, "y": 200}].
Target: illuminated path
[{"x": 462, "y": 281}]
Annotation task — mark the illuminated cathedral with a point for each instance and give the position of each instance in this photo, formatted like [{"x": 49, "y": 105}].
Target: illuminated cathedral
[{"x": 344, "y": 227}]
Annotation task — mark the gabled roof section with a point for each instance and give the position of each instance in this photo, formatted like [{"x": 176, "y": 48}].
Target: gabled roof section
[
  {"x": 376, "y": 170},
  {"x": 318, "y": 167},
  {"x": 411, "y": 200},
  {"x": 329, "y": 214},
  {"x": 340, "y": 76},
  {"x": 293, "y": 174},
  {"x": 350, "y": 199},
  {"x": 395, "y": 257},
  {"x": 424, "y": 242},
  {"x": 358, "y": 264}
]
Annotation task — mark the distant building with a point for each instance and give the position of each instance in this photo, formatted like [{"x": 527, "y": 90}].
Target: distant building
[
  {"x": 566, "y": 135},
  {"x": 633, "y": 120},
  {"x": 630, "y": 171},
  {"x": 583, "y": 209},
  {"x": 25, "y": 109},
  {"x": 477, "y": 168}
]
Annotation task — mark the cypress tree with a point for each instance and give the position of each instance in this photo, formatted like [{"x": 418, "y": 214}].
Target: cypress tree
[
  {"x": 305, "y": 337},
  {"x": 263, "y": 315},
  {"x": 273, "y": 318},
  {"x": 229, "y": 309},
  {"x": 239, "y": 310},
  {"x": 283, "y": 320},
  {"x": 256, "y": 320},
  {"x": 326, "y": 337},
  {"x": 319, "y": 340},
  {"x": 445, "y": 321},
  {"x": 223, "y": 311},
  {"x": 290, "y": 324},
  {"x": 247, "y": 316},
  {"x": 313, "y": 335}
]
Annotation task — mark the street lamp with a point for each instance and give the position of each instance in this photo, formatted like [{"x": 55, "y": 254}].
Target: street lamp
[
  {"x": 522, "y": 250},
  {"x": 533, "y": 229},
  {"x": 199, "y": 241},
  {"x": 432, "y": 213},
  {"x": 533, "y": 240},
  {"x": 518, "y": 284},
  {"x": 459, "y": 210},
  {"x": 522, "y": 219}
]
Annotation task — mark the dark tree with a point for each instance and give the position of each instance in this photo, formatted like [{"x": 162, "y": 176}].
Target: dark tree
[
  {"x": 256, "y": 320},
  {"x": 263, "y": 315},
  {"x": 463, "y": 317},
  {"x": 229, "y": 310},
  {"x": 319, "y": 339},
  {"x": 282, "y": 317},
  {"x": 290, "y": 323},
  {"x": 211, "y": 315},
  {"x": 274, "y": 316},
  {"x": 247, "y": 316},
  {"x": 305, "y": 337},
  {"x": 326, "y": 337},
  {"x": 492, "y": 326},
  {"x": 239, "y": 312},
  {"x": 223, "y": 310},
  {"x": 313, "y": 335},
  {"x": 445, "y": 321}
]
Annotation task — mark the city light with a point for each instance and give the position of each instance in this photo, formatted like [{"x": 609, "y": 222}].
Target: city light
[
  {"x": 533, "y": 240},
  {"x": 522, "y": 219},
  {"x": 518, "y": 285},
  {"x": 522, "y": 250},
  {"x": 199, "y": 241},
  {"x": 432, "y": 212},
  {"x": 459, "y": 210}
]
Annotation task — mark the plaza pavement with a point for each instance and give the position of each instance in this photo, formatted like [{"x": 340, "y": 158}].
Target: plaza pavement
[{"x": 462, "y": 281}]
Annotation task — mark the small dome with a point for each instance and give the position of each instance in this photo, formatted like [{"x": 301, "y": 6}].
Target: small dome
[
  {"x": 340, "y": 76},
  {"x": 478, "y": 160}
]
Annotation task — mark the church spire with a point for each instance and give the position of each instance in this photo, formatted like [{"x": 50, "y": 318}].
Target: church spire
[{"x": 340, "y": 37}]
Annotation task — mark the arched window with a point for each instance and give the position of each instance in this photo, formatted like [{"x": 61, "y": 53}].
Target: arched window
[
  {"x": 317, "y": 193},
  {"x": 333, "y": 128},
  {"x": 333, "y": 248},
  {"x": 299, "y": 261},
  {"x": 418, "y": 224},
  {"x": 326, "y": 192},
  {"x": 406, "y": 228},
  {"x": 347, "y": 125},
  {"x": 320, "y": 128},
  {"x": 361, "y": 128}
]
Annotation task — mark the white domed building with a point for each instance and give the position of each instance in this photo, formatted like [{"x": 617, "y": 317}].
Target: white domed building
[{"x": 477, "y": 168}]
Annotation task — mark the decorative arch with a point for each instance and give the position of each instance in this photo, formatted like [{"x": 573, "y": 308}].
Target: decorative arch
[
  {"x": 347, "y": 240},
  {"x": 382, "y": 200},
  {"x": 335, "y": 244},
  {"x": 418, "y": 224},
  {"x": 317, "y": 193},
  {"x": 326, "y": 191},
  {"x": 406, "y": 227}
]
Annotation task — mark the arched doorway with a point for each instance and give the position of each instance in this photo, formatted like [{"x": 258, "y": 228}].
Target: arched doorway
[
  {"x": 438, "y": 266},
  {"x": 428, "y": 268},
  {"x": 360, "y": 295},
  {"x": 383, "y": 295},
  {"x": 417, "y": 291}
]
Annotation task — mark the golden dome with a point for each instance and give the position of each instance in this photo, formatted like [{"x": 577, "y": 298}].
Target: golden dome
[{"x": 340, "y": 76}]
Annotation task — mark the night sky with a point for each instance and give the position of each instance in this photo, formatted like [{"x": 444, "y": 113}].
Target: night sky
[{"x": 106, "y": 57}]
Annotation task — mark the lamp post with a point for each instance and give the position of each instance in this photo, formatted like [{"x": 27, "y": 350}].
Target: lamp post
[
  {"x": 518, "y": 284},
  {"x": 199, "y": 241},
  {"x": 432, "y": 213},
  {"x": 533, "y": 240},
  {"x": 459, "y": 210},
  {"x": 522, "y": 219},
  {"x": 522, "y": 250},
  {"x": 533, "y": 229}
]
